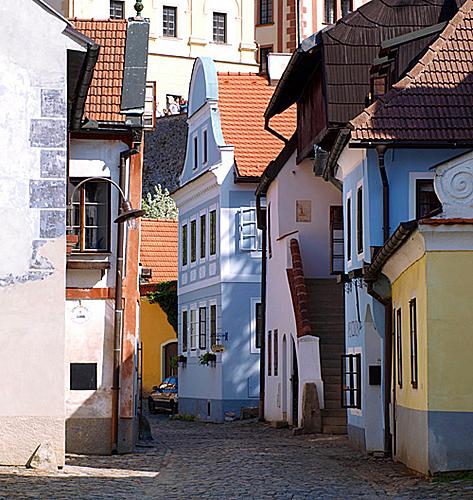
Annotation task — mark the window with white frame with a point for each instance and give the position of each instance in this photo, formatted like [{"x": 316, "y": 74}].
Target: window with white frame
[
  {"x": 149, "y": 115},
  {"x": 250, "y": 235},
  {"x": 203, "y": 234},
  {"x": 426, "y": 198},
  {"x": 359, "y": 220},
  {"x": 184, "y": 245},
  {"x": 259, "y": 324},
  {"x": 117, "y": 9},
  {"x": 193, "y": 332},
  {"x": 205, "y": 150},
  {"x": 184, "y": 331},
  {"x": 276, "y": 353},
  {"x": 202, "y": 327},
  {"x": 348, "y": 228},
  {"x": 193, "y": 240},
  {"x": 213, "y": 324},
  {"x": 196, "y": 153},
  {"x": 219, "y": 27},
  {"x": 268, "y": 350},
  {"x": 169, "y": 21},
  {"x": 213, "y": 232}
]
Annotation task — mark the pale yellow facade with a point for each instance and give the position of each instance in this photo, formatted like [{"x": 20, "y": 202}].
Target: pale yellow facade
[
  {"x": 171, "y": 58},
  {"x": 156, "y": 333}
]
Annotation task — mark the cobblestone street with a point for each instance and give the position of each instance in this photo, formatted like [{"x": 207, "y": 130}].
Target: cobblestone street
[{"x": 247, "y": 460}]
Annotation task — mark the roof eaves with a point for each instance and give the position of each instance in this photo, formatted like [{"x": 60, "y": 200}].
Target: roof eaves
[{"x": 397, "y": 239}]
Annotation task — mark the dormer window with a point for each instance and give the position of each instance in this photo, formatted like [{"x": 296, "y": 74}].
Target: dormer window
[{"x": 378, "y": 86}]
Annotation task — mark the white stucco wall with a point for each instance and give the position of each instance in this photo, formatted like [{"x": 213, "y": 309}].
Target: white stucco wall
[
  {"x": 32, "y": 200},
  {"x": 294, "y": 182}
]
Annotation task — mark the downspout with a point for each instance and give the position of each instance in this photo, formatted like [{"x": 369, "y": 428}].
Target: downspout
[
  {"x": 262, "y": 363},
  {"x": 118, "y": 316},
  {"x": 298, "y": 20},
  {"x": 381, "y": 150}
]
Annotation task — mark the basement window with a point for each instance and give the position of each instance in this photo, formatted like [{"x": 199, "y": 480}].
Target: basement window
[
  {"x": 351, "y": 381},
  {"x": 83, "y": 376}
]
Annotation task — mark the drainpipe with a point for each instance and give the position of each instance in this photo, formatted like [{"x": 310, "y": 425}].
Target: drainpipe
[
  {"x": 118, "y": 320},
  {"x": 298, "y": 20},
  {"x": 381, "y": 150},
  {"x": 262, "y": 364}
]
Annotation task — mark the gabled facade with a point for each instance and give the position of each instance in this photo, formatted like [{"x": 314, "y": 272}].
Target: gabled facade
[
  {"x": 102, "y": 306},
  {"x": 301, "y": 215},
  {"x": 219, "y": 244}
]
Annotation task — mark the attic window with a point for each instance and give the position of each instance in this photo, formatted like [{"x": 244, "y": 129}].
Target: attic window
[
  {"x": 117, "y": 9},
  {"x": 378, "y": 86}
]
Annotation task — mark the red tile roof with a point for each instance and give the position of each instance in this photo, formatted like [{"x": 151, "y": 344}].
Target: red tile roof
[
  {"x": 104, "y": 97},
  {"x": 243, "y": 98},
  {"x": 158, "y": 249},
  {"x": 434, "y": 102}
]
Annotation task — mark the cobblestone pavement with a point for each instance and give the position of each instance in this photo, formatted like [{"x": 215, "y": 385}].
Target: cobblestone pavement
[{"x": 244, "y": 460}]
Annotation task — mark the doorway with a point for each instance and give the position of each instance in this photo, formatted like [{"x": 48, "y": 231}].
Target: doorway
[
  {"x": 284, "y": 379},
  {"x": 295, "y": 386},
  {"x": 170, "y": 352}
]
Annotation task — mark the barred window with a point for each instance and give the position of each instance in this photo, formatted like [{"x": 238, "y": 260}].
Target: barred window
[{"x": 351, "y": 380}]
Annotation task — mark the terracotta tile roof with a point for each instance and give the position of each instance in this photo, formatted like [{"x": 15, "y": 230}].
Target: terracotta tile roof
[
  {"x": 104, "y": 97},
  {"x": 434, "y": 102},
  {"x": 243, "y": 98},
  {"x": 158, "y": 248}
]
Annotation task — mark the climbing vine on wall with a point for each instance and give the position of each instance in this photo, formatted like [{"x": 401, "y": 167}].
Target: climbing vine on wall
[{"x": 166, "y": 296}]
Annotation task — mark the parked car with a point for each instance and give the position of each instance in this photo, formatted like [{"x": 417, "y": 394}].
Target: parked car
[{"x": 164, "y": 396}]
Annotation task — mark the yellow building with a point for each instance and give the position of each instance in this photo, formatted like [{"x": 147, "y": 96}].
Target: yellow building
[
  {"x": 429, "y": 264},
  {"x": 158, "y": 257}
]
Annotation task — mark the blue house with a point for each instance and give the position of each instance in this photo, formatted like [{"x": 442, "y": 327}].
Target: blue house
[
  {"x": 219, "y": 243},
  {"x": 387, "y": 171}
]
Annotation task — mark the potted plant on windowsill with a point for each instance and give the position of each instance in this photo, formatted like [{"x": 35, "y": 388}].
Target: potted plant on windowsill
[
  {"x": 208, "y": 358},
  {"x": 182, "y": 359}
]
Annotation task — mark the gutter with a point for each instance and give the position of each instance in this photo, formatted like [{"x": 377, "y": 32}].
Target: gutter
[{"x": 341, "y": 141}]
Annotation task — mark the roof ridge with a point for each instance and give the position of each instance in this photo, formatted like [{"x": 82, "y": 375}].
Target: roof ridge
[{"x": 98, "y": 20}]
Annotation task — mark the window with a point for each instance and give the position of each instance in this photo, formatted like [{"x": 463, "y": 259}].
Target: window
[
  {"x": 91, "y": 215},
  {"x": 117, "y": 9},
  {"x": 351, "y": 380},
  {"x": 213, "y": 325},
  {"x": 276, "y": 353},
  {"x": 193, "y": 240},
  {"x": 265, "y": 11},
  {"x": 169, "y": 21},
  {"x": 413, "y": 335},
  {"x": 196, "y": 153},
  {"x": 269, "y": 347},
  {"x": 359, "y": 220},
  {"x": 83, "y": 376},
  {"x": 250, "y": 236},
  {"x": 336, "y": 240},
  {"x": 270, "y": 253},
  {"x": 348, "y": 229},
  {"x": 263, "y": 59},
  {"x": 259, "y": 324},
  {"x": 193, "y": 329},
  {"x": 399, "y": 346},
  {"x": 202, "y": 328},
  {"x": 378, "y": 86},
  {"x": 184, "y": 331},
  {"x": 219, "y": 27},
  {"x": 149, "y": 115},
  {"x": 426, "y": 199},
  {"x": 347, "y": 7},
  {"x": 184, "y": 245},
  {"x": 203, "y": 239},
  {"x": 213, "y": 232},
  {"x": 205, "y": 146},
  {"x": 330, "y": 11}
]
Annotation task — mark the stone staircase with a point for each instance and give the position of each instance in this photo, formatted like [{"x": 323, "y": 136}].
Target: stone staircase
[{"x": 326, "y": 315}]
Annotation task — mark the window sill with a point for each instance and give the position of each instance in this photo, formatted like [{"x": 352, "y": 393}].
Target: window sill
[
  {"x": 259, "y": 25},
  {"x": 88, "y": 264},
  {"x": 170, "y": 38}
]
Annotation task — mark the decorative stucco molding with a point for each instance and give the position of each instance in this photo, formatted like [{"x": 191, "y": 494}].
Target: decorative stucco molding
[{"x": 454, "y": 186}]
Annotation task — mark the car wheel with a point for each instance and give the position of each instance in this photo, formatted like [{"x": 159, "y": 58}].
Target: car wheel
[{"x": 151, "y": 407}]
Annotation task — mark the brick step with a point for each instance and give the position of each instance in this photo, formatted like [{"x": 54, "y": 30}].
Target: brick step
[
  {"x": 329, "y": 371},
  {"x": 341, "y": 421},
  {"x": 332, "y": 412},
  {"x": 332, "y": 404},
  {"x": 332, "y": 347},
  {"x": 330, "y": 355},
  {"x": 332, "y": 379},
  {"x": 334, "y": 429},
  {"x": 331, "y": 363}
]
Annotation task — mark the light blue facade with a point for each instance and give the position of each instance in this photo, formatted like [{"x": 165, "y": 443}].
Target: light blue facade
[
  {"x": 224, "y": 277},
  {"x": 364, "y": 315}
]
